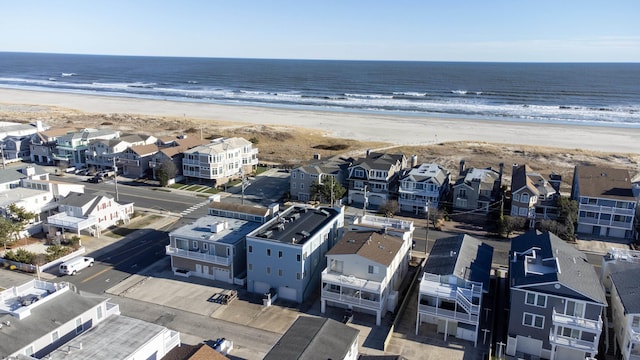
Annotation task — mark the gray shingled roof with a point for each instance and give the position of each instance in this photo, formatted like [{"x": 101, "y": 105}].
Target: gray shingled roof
[
  {"x": 314, "y": 338},
  {"x": 628, "y": 288},
  {"x": 463, "y": 256},
  {"x": 575, "y": 271},
  {"x": 426, "y": 171}
]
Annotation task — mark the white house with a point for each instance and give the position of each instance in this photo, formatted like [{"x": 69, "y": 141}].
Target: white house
[
  {"x": 220, "y": 160},
  {"x": 89, "y": 212}
]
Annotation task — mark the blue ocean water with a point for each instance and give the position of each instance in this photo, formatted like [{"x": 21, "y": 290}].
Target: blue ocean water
[{"x": 581, "y": 93}]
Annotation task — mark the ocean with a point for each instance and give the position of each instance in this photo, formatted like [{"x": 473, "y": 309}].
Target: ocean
[{"x": 606, "y": 94}]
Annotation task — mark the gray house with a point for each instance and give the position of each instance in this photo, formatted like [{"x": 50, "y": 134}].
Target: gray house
[
  {"x": 456, "y": 276},
  {"x": 373, "y": 180},
  {"x": 532, "y": 195},
  {"x": 304, "y": 177},
  {"x": 286, "y": 255},
  {"x": 476, "y": 189},
  {"x": 556, "y": 298}
]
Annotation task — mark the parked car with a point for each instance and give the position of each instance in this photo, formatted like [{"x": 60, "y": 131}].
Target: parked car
[
  {"x": 95, "y": 179},
  {"x": 71, "y": 267}
]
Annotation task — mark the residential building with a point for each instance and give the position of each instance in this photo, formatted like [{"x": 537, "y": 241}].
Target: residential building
[
  {"x": 172, "y": 150},
  {"x": 88, "y": 212},
  {"x": 556, "y": 299},
  {"x": 476, "y": 190},
  {"x": 15, "y": 148},
  {"x": 620, "y": 269},
  {"x": 101, "y": 153},
  {"x": 8, "y": 129},
  {"x": 286, "y": 255},
  {"x": 13, "y": 177},
  {"x": 72, "y": 148},
  {"x": 43, "y": 143},
  {"x": 42, "y": 203},
  {"x": 373, "y": 180},
  {"x": 364, "y": 272},
  {"x": 134, "y": 161},
  {"x": 606, "y": 205},
  {"x": 316, "y": 338},
  {"x": 456, "y": 276},
  {"x": 304, "y": 177},
  {"x": 423, "y": 187},
  {"x": 220, "y": 161},
  {"x": 532, "y": 196},
  {"x": 38, "y": 317},
  {"x": 119, "y": 337},
  {"x": 214, "y": 246}
]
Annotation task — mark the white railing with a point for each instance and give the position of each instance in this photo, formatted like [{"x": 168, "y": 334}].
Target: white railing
[
  {"x": 587, "y": 346},
  {"x": 173, "y": 341},
  {"x": 449, "y": 314},
  {"x": 607, "y": 209},
  {"x": 352, "y": 300},
  {"x": 195, "y": 255},
  {"x": 467, "y": 305},
  {"x": 589, "y": 325},
  {"x": 112, "y": 309}
]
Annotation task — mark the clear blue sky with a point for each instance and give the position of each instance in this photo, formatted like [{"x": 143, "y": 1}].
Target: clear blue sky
[{"x": 432, "y": 30}]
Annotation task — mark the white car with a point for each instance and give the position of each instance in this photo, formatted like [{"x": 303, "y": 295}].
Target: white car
[{"x": 71, "y": 267}]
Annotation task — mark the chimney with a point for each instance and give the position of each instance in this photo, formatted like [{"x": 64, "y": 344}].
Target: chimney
[
  {"x": 368, "y": 152},
  {"x": 500, "y": 173},
  {"x": 461, "y": 167},
  {"x": 514, "y": 167},
  {"x": 414, "y": 161}
]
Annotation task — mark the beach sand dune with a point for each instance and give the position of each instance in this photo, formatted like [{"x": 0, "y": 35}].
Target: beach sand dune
[{"x": 292, "y": 136}]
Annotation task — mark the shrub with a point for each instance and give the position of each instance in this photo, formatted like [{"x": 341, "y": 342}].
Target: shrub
[{"x": 21, "y": 256}]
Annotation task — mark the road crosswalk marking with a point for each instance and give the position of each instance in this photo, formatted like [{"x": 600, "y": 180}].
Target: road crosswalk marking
[{"x": 194, "y": 208}]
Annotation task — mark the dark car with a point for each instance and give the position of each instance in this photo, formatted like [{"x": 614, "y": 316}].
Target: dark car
[
  {"x": 348, "y": 316},
  {"x": 96, "y": 179}
]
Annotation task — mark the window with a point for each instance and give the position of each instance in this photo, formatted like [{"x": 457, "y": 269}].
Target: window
[
  {"x": 55, "y": 336},
  {"x": 298, "y": 276},
  {"x": 536, "y": 299},
  {"x": 574, "y": 308},
  {"x": 99, "y": 312},
  {"x": 524, "y": 198},
  {"x": 533, "y": 320},
  {"x": 250, "y": 248},
  {"x": 373, "y": 269},
  {"x": 279, "y": 272},
  {"x": 79, "y": 325},
  {"x": 279, "y": 254},
  {"x": 250, "y": 267},
  {"x": 569, "y": 332},
  {"x": 194, "y": 244},
  {"x": 298, "y": 257},
  {"x": 635, "y": 322},
  {"x": 205, "y": 246},
  {"x": 268, "y": 270},
  {"x": 268, "y": 252}
]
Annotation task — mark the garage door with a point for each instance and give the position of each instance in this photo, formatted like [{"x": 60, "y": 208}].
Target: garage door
[
  {"x": 569, "y": 354},
  {"x": 287, "y": 293},
  {"x": 528, "y": 345},
  {"x": 221, "y": 274},
  {"x": 261, "y": 287}
]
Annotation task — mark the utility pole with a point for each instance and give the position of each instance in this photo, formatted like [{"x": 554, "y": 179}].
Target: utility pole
[
  {"x": 115, "y": 178},
  {"x": 4, "y": 164},
  {"x": 364, "y": 206},
  {"x": 426, "y": 236}
]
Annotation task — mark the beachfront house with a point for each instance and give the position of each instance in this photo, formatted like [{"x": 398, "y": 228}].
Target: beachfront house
[
  {"x": 373, "y": 180},
  {"x": 92, "y": 213},
  {"x": 532, "y": 196},
  {"x": 102, "y": 152},
  {"x": 316, "y": 338},
  {"x": 43, "y": 144},
  {"x": 556, "y": 299},
  {"x": 606, "y": 204},
  {"x": 304, "y": 177},
  {"x": 476, "y": 190},
  {"x": 171, "y": 150},
  {"x": 71, "y": 149},
  {"x": 220, "y": 160},
  {"x": 214, "y": 246},
  {"x": 366, "y": 267},
  {"x": 286, "y": 255},
  {"x": 134, "y": 161},
  {"x": 15, "y": 148},
  {"x": 456, "y": 276},
  {"x": 424, "y": 186}
]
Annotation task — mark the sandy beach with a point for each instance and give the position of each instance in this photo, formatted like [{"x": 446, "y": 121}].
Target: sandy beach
[{"x": 400, "y": 130}]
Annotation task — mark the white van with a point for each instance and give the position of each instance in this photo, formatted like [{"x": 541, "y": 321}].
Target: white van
[{"x": 74, "y": 265}]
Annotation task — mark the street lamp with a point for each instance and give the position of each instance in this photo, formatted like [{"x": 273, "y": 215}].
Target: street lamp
[
  {"x": 364, "y": 206},
  {"x": 426, "y": 240},
  {"x": 115, "y": 178}
]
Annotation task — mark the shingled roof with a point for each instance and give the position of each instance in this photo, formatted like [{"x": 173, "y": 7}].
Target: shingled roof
[
  {"x": 603, "y": 182},
  {"x": 373, "y": 245}
]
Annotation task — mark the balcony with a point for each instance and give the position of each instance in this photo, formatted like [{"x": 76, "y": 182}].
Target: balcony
[
  {"x": 448, "y": 314},
  {"x": 196, "y": 255},
  {"x": 352, "y": 282},
  {"x": 606, "y": 209},
  {"x": 584, "y": 345},
  {"x": 580, "y": 323},
  {"x": 355, "y": 299}
]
